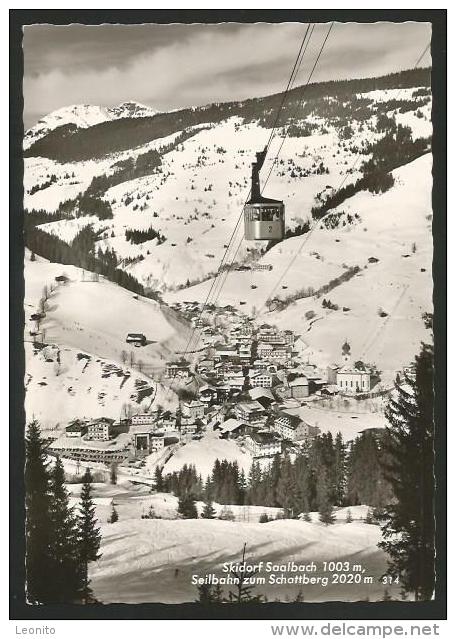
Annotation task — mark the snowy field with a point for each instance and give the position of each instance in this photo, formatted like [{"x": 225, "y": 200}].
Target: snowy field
[
  {"x": 204, "y": 452},
  {"x": 159, "y": 557}
]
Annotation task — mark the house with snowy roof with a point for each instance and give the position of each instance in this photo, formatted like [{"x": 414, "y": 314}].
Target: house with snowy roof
[
  {"x": 193, "y": 409},
  {"x": 299, "y": 387},
  {"x": 353, "y": 380},
  {"x": 262, "y": 444},
  {"x": 232, "y": 428},
  {"x": 293, "y": 428},
  {"x": 252, "y": 412}
]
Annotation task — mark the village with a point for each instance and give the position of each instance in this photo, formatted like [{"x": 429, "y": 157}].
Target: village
[{"x": 247, "y": 384}]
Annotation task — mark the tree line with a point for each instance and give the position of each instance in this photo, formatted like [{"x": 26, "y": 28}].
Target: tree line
[
  {"x": 136, "y": 236},
  {"x": 61, "y": 541},
  {"x": 79, "y": 253},
  {"x": 327, "y": 473}
]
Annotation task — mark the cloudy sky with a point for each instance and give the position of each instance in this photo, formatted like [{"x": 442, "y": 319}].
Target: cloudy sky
[{"x": 173, "y": 66}]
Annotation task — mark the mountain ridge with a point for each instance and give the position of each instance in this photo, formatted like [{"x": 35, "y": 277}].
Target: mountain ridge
[
  {"x": 84, "y": 116},
  {"x": 109, "y": 136}
]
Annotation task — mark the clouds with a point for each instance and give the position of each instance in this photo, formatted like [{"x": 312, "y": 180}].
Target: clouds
[{"x": 173, "y": 66}]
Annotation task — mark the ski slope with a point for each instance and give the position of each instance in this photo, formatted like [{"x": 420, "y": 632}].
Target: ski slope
[{"x": 159, "y": 557}]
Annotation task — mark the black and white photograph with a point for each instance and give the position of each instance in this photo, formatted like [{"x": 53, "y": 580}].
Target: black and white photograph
[{"x": 228, "y": 242}]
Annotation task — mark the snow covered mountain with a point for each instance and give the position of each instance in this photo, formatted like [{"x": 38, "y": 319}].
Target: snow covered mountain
[
  {"x": 83, "y": 116},
  {"x": 131, "y": 110},
  {"x": 159, "y": 197},
  {"x": 87, "y": 367}
]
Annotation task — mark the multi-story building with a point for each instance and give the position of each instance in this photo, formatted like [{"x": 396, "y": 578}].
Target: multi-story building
[
  {"x": 261, "y": 378},
  {"x": 117, "y": 450},
  {"x": 264, "y": 365},
  {"x": 280, "y": 353},
  {"x": 205, "y": 365},
  {"x": 223, "y": 352},
  {"x": 193, "y": 409},
  {"x": 100, "y": 429},
  {"x": 207, "y": 394},
  {"x": 286, "y": 425},
  {"x": 353, "y": 380},
  {"x": 262, "y": 444},
  {"x": 77, "y": 428},
  {"x": 264, "y": 350},
  {"x": 245, "y": 352},
  {"x": 231, "y": 428},
  {"x": 236, "y": 382},
  {"x": 188, "y": 428},
  {"x": 177, "y": 369},
  {"x": 299, "y": 387},
  {"x": 143, "y": 419},
  {"x": 292, "y": 427},
  {"x": 250, "y": 412},
  {"x": 270, "y": 335}
]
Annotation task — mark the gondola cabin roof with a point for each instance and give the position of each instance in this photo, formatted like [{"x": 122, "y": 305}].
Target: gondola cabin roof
[{"x": 263, "y": 200}]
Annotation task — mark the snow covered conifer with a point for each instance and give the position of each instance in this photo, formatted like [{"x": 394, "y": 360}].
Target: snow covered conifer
[
  {"x": 89, "y": 536},
  {"x": 187, "y": 507},
  {"x": 158, "y": 477},
  {"x": 409, "y": 531},
  {"x": 37, "y": 523},
  {"x": 114, "y": 516},
  {"x": 65, "y": 563},
  {"x": 113, "y": 474},
  {"x": 208, "y": 511}
]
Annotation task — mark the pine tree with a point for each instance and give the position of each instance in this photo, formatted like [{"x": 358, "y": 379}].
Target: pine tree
[
  {"x": 113, "y": 474},
  {"x": 37, "y": 528},
  {"x": 65, "y": 565},
  {"x": 89, "y": 536},
  {"x": 325, "y": 508},
  {"x": 327, "y": 515},
  {"x": 243, "y": 593},
  {"x": 303, "y": 474},
  {"x": 208, "y": 511},
  {"x": 187, "y": 507},
  {"x": 208, "y": 594},
  {"x": 158, "y": 477},
  {"x": 285, "y": 490},
  {"x": 409, "y": 531},
  {"x": 114, "y": 516},
  {"x": 340, "y": 469}
]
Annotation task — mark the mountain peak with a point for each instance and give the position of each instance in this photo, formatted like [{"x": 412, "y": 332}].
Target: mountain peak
[{"x": 131, "y": 109}]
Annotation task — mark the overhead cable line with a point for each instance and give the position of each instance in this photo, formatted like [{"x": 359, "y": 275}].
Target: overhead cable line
[{"x": 308, "y": 235}]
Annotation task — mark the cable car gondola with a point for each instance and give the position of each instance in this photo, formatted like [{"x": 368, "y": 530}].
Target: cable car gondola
[{"x": 264, "y": 218}]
